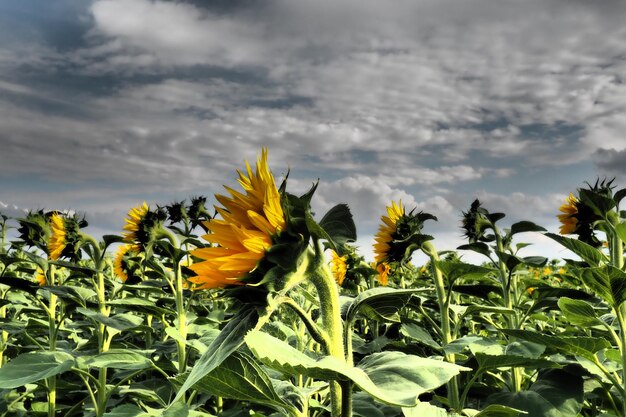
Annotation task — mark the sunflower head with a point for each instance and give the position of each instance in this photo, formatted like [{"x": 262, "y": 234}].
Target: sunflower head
[
  {"x": 338, "y": 267},
  {"x": 142, "y": 227},
  {"x": 126, "y": 264},
  {"x": 580, "y": 214},
  {"x": 475, "y": 223},
  {"x": 198, "y": 212},
  {"x": 34, "y": 229},
  {"x": 399, "y": 235},
  {"x": 65, "y": 237},
  {"x": 257, "y": 238},
  {"x": 176, "y": 212}
]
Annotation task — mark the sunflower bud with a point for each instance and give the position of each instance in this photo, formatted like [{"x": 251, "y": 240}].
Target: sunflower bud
[
  {"x": 198, "y": 212},
  {"x": 143, "y": 226},
  {"x": 475, "y": 223},
  {"x": 176, "y": 212}
]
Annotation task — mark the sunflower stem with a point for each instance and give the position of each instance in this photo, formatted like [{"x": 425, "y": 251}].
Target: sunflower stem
[
  {"x": 444, "y": 311},
  {"x": 52, "y": 340},
  {"x": 324, "y": 282}
]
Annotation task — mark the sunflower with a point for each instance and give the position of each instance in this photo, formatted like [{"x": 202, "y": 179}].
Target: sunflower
[
  {"x": 40, "y": 277},
  {"x": 569, "y": 218},
  {"x": 339, "y": 267},
  {"x": 58, "y": 236},
  {"x": 248, "y": 226},
  {"x": 386, "y": 232},
  {"x": 383, "y": 269},
  {"x": 119, "y": 262},
  {"x": 133, "y": 235}
]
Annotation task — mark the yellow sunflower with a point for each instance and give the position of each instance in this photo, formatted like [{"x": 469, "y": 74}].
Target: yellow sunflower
[
  {"x": 568, "y": 218},
  {"x": 248, "y": 224},
  {"x": 384, "y": 237},
  {"x": 40, "y": 277},
  {"x": 118, "y": 262},
  {"x": 339, "y": 267},
  {"x": 57, "y": 237},
  {"x": 133, "y": 226}
]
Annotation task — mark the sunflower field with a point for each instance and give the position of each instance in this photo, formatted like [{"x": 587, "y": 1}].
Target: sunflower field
[{"x": 257, "y": 308}]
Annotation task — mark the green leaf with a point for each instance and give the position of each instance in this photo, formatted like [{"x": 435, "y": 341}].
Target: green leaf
[
  {"x": 455, "y": 270},
  {"x": 487, "y": 362},
  {"x": 339, "y": 224},
  {"x": 424, "y": 410},
  {"x": 228, "y": 341},
  {"x": 78, "y": 295},
  {"x": 608, "y": 282},
  {"x": 587, "y": 253},
  {"x": 497, "y": 410},
  {"x": 126, "y": 410},
  {"x": 525, "y": 226},
  {"x": 479, "y": 247},
  {"x": 599, "y": 203},
  {"x": 119, "y": 359},
  {"x": 511, "y": 261},
  {"x": 34, "y": 366},
  {"x": 391, "y": 377},
  {"x": 575, "y": 345},
  {"x": 380, "y": 303},
  {"x": 83, "y": 270},
  {"x": 556, "y": 393},
  {"x": 415, "y": 332},
  {"x": 240, "y": 377},
  {"x": 121, "y": 322},
  {"x": 579, "y": 312},
  {"x": 140, "y": 305}
]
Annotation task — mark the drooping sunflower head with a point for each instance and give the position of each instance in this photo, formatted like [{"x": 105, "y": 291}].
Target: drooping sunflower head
[
  {"x": 65, "y": 237},
  {"x": 399, "y": 235},
  {"x": 250, "y": 224},
  {"x": 142, "y": 226}
]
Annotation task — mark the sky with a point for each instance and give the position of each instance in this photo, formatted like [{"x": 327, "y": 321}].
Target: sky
[{"x": 105, "y": 104}]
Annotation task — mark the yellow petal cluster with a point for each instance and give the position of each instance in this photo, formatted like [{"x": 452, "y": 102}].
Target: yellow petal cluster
[
  {"x": 568, "y": 218},
  {"x": 57, "y": 237},
  {"x": 118, "y": 262},
  {"x": 40, "y": 277},
  {"x": 338, "y": 267},
  {"x": 133, "y": 224},
  {"x": 248, "y": 223}
]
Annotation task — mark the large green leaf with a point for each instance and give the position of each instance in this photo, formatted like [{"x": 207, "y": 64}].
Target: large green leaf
[
  {"x": 425, "y": 410},
  {"x": 497, "y": 410},
  {"x": 487, "y": 362},
  {"x": 455, "y": 270},
  {"x": 228, "y": 341},
  {"x": 579, "y": 312},
  {"x": 34, "y": 366},
  {"x": 525, "y": 226},
  {"x": 575, "y": 345},
  {"x": 339, "y": 224},
  {"x": 380, "y": 303},
  {"x": 121, "y": 322},
  {"x": 119, "y": 359},
  {"x": 556, "y": 393},
  {"x": 608, "y": 282},
  {"x": 417, "y": 333},
  {"x": 240, "y": 377},
  {"x": 586, "y": 252},
  {"x": 140, "y": 305},
  {"x": 391, "y": 377},
  {"x": 78, "y": 295}
]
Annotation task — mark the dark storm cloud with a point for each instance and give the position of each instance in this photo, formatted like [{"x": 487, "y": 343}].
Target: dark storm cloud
[{"x": 611, "y": 161}]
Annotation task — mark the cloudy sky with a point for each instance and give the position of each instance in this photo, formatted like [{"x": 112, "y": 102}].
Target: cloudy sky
[{"x": 107, "y": 103}]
